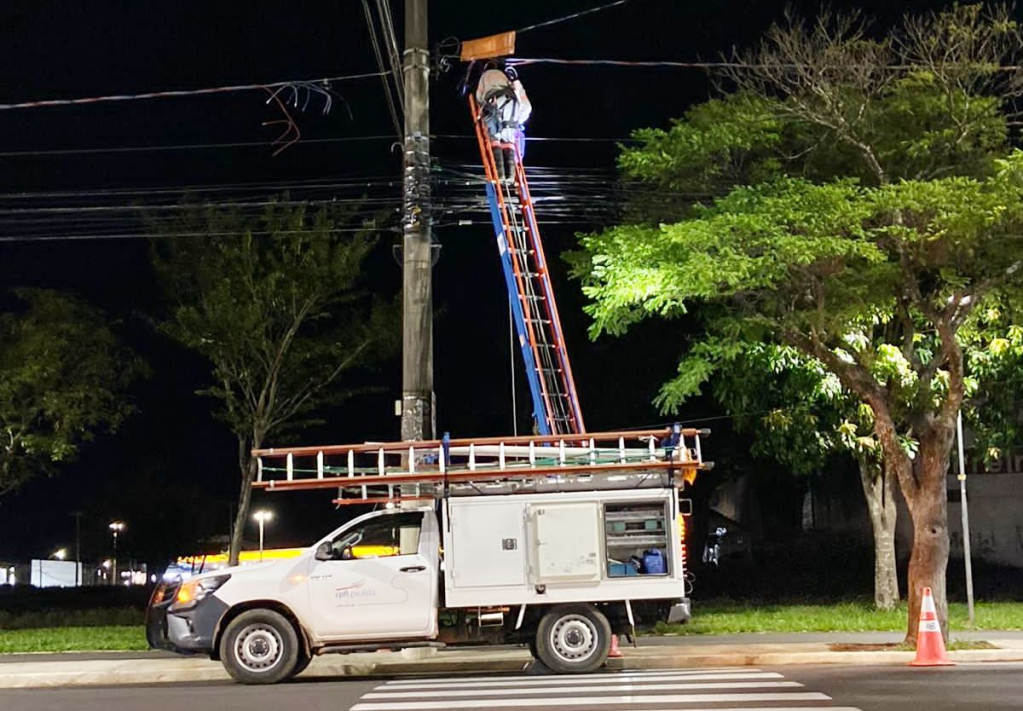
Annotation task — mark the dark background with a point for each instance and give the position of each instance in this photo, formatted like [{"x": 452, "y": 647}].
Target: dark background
[{"x": 170, "y": 472}]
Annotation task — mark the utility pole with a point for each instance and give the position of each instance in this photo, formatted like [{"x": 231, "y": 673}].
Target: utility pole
[{"x": 417, "y": 402}]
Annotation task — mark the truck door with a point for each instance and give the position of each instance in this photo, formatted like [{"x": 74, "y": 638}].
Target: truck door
[{"x": 380, "y": 581}]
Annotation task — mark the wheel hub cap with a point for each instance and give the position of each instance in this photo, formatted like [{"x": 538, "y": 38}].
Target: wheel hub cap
[
  {"x": 574, "y": 638},
  {"x": 258, "y": 648}
]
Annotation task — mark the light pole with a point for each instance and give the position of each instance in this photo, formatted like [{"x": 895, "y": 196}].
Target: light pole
[
  {"x": 262, "y": 516},
  {"x": 116, "y": 527},
  {"x": 60, "y": 553},
  {"x": 78, "y": 547}
]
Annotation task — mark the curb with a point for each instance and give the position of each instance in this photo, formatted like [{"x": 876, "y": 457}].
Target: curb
[{"x": 168, "y": 671}]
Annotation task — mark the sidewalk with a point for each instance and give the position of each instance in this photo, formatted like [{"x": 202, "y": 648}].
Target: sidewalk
[{"x": 17, "y": 671}]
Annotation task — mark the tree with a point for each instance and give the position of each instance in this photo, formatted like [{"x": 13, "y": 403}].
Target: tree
[
  {"x": 801, "y": 416},
  {"x": 273, "y": 303},
  {"x": 867, "y": 249},
  {"x": 63, "y": 377}
]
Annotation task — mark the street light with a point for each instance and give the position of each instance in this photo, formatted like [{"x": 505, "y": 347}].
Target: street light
[
  {"x": 262, "y": 517},
  {"x": 60, "y": 553},
  {"x": 116, "y": 527}
]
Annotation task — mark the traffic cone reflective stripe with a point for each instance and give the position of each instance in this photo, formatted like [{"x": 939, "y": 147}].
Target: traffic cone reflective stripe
[
  {"x": 615, "y": 651},
  {"x": 930, "y": 646}
]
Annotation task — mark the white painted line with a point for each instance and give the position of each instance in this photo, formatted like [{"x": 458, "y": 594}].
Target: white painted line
[
  {"x": 600, "y": 675},
  {"x": 794, "y": 697},
  {"x": 573, "y": 680},
  {"x": 704, "y": 685}
]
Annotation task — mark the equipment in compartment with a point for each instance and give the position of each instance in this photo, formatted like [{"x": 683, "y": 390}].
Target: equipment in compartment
[{"x": 636, "y": 537}]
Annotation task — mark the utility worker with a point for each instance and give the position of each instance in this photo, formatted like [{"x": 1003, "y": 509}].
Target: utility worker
[{"x": 505, "y": 108}]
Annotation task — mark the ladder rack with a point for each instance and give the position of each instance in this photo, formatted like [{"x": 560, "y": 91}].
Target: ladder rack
[
  {"x": 530, "y": 293},
  {"x": 371, "y": 472}
]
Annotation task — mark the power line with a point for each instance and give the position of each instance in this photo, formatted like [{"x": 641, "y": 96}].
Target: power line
[
  {"x": 371, "y": 28},
  {"x": 520, "y": 61},
  {"x": 183, "y": 92},
  {"x": 263, "y": 144},
  {"x": 166, "y": 235},
  {"x": 571, "y": 17}
]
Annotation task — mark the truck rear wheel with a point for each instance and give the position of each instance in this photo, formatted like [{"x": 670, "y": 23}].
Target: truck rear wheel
[
  {"x": 573, "y": 639},
  {"x": 260, "y": 647}
]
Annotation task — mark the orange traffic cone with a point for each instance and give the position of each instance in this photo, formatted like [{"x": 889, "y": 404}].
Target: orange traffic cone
[
  {"x": 615, "y": 652},
  {"x": 930, "y": 647}
]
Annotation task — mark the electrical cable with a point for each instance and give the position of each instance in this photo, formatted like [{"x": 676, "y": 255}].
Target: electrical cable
[
  {"x": 264, "y": 144},
  {"x": 391, "y": 41},
  {"x": 182, "y": 92},
  {"x": 571, "y": 17},
  {"x": 371, "y": 28},
  {"x": 150, "y": 235},
  {"x": 521, "y": 61}
]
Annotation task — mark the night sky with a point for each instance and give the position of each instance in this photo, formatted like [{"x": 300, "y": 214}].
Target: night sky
[{"x": 170, "y": 472}]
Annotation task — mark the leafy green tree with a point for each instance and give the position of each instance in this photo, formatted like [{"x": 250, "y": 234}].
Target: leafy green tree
[
  {"x": 800, "y": 415},
  {"x": 874, "y": 210},
  {"x": 274, "y": 304},
  {"x": 63, "y": 379}
]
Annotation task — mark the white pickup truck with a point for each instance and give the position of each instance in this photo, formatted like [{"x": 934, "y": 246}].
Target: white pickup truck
[{"x": 558, "y": 571}]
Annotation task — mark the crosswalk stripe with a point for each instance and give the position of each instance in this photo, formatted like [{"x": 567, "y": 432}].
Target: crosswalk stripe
[
  {"x": 707, "y": 685},
  {"x": 575, "y": 681},
  {"x": 601, "y": 675},
  {"x": 678, "y": 699}
]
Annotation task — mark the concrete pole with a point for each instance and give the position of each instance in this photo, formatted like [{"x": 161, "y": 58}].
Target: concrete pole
[
  {"x": 417, "y": 410},
  {"x": 966, "y": 522}
]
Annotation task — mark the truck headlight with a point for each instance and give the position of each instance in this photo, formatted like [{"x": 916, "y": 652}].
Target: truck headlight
[{"x": 190, "y": 593}]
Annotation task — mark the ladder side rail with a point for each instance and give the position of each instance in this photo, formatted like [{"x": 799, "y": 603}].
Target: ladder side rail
[
  {"x": 526, "y": 201},
  {"x": 539, "y": 321},
  {"x": 528, "y": 357},
  {"x": 402, "y": 447},
  {"x": 507, "y": 233},
  {"x": 610, "y": 469}
]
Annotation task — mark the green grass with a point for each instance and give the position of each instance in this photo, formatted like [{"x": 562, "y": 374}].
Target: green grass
[
  {"x": 725, "y": 617},
  {"x": 73, "y": 639}
]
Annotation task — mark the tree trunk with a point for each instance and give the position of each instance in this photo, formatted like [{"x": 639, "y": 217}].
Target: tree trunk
[
  {"x": 879, "y": 489},
  {"x": 927, "y": 498},
  {"x": 247, "y": 467}
]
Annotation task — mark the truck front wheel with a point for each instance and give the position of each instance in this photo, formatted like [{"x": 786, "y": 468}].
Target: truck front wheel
[
  {"x": 573, "y": 639},
  {"x": 260, "y": 647}
]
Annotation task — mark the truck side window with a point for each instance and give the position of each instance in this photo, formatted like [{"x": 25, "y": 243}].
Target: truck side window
[{"x": 381, "y": 537}]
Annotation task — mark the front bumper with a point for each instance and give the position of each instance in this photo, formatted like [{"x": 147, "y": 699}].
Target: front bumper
[
  {"x": 680, "y": 612},
  {"x": 188, "y": 631}
]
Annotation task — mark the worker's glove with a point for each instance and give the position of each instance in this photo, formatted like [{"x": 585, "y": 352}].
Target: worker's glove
[{"x": 511, "y": 74}]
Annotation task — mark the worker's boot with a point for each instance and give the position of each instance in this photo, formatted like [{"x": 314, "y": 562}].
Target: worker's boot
[
  {"x": 509, "y": 165},
  {"x": 499, "y": 163}
]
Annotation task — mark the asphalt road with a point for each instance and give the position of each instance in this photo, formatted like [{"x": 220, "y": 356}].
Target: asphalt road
[{"x": 990, "y": 687}]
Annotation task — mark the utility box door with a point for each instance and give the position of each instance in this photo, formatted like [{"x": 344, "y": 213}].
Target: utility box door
[
  {"x": 565, "y": 542},
  {"x": 487, "y": 542}
]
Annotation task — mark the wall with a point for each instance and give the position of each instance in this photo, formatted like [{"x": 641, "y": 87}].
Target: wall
[{"x": 996, "y": 518}]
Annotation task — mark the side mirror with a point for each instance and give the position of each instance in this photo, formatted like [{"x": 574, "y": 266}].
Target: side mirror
[{"x": 325, "y": 552}]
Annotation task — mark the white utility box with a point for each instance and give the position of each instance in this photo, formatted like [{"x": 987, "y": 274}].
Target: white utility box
[
  {"x": 565, "y": 542},
  {"x": 487, "y": 547}
]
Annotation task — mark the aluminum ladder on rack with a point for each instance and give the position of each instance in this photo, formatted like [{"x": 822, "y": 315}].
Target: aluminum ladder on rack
[
  {"x": 371, "y": 472},
  {"x": 534, "y": 310}
]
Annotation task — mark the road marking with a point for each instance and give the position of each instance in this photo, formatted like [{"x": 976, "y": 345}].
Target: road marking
[
  {"x": 600, "y": 675},
  {"x": 707, "y": 685},
  {"x": 793, "y": 697},
  {"x": 572, "y": 680}
]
